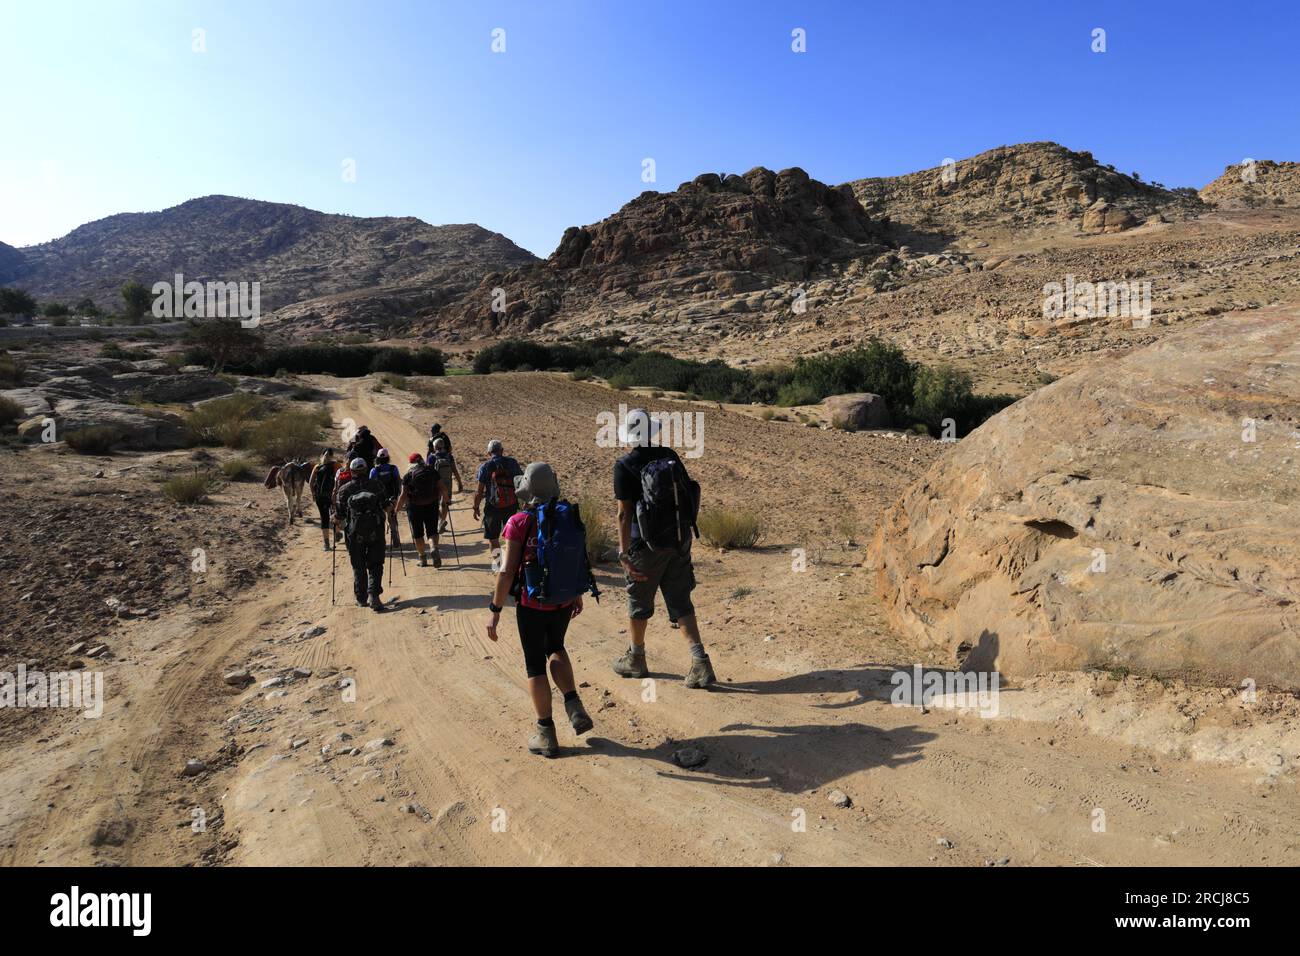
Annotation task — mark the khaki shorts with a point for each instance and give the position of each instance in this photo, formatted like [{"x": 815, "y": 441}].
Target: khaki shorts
[{"x": 666, "y": 571}]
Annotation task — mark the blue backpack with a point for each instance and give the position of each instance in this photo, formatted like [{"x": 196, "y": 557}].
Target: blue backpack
[{"x": 561, "y": 572}]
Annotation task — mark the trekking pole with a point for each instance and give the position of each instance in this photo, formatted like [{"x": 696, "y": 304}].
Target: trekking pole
[
  {"x": 334, "y": 553},
  {"x": 397, "y": 543},
  {"x": 455, "y": 548}
]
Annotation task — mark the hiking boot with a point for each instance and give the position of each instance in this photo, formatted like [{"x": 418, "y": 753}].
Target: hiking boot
[
  {"x": 578, "y": 716},
  {"x": 424, "y": 560},
  {"x": 375, "y": 603},
  {"x": 544, "y": 742},
  {"x": 361, "y": 602},
  {"x": 701, "y": 673},
  {"x": 442, "y": 528},
  {"x": 437, "y": 558},
  {"x": 631, "y": 664}
]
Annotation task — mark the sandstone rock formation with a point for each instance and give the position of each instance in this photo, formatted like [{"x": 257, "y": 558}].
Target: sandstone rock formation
[
  {"x": 1261, "y": 182},
  {"x": 1031, "y": 185},
  {"x": 715, "y": 236},
  {"x": 1143, "y": 514}
]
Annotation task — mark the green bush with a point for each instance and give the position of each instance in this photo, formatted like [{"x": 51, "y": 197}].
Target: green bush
[
  {"x": 344, "y": 361},
  {"x": 730, "y": 528},
  {"x": 225, "y": 421},
  {"x": 186, "y": 489},
  {"x": 97, "y": 440},
  {"x": 12, "y": 371},
  {"x": 290, "y": 435}
]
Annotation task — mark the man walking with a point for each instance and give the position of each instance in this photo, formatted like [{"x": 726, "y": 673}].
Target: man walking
[
  {"x": 363, "y": 512},
  {"x": 657, "y": 507},
  {"x": 496, "y": 486},
  {"x": 422, "y": 493}
]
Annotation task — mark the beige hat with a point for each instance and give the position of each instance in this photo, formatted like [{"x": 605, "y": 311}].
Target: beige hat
[{"x": 538, "y": 483}]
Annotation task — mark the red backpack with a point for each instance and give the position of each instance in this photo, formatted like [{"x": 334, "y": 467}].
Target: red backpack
[{"x": 501, "y": 487}]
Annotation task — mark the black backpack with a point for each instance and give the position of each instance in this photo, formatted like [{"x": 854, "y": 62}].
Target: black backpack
[
  {"x": 669, "y": 505},
  {"x": 366, "y": 522},
  {"x": 322, "y": 483},
  {"x": 423, "y": 484}
]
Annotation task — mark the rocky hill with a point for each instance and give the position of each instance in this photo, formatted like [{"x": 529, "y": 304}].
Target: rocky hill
[
  {"x": 295, "y": 253},
  {"x": 1261, "y": 182},
  {"x": 1032, "y": 186},
  {"x": 725, "y": 244}
]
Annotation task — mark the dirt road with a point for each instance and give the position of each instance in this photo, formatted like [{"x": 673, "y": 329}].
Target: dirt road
[{"x": 438, "y": 714}]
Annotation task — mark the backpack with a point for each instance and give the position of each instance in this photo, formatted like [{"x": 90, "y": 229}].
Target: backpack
[
  {"x": 560, "y": 572},
  {"x": 443, "y": 464},
  {"x": 669, "y": 505},
  {"x": 388, "y": 476},
  {"x": 322, "y": 483},
  {"x": 366, "y": 522},
  {"x": 423, "y": 485},
  {"x": 501, "y": 487}
]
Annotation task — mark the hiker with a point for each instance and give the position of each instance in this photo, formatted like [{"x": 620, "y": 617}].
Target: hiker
[
  {"x": 388, "y": 474},
  {"x": 546, "y": 569},
  {"x": 657, "y": 506},
  {"x": 440, "y": 458},
  {"x": 364, "y": 445},
  {"x": 362, "y": 507},
  {"x": 321, "y": 483},
  {"x": 496, "y": 483},
  {"x": 422, "y": 495}
]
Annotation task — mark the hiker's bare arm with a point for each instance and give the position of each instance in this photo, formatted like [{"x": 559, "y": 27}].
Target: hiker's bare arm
[
  {"x": 514, "y": 554},
  {"x": 478, "y": 497},
  {"x": 401, "y": 500},
  {"x": 625, "y": 510}
]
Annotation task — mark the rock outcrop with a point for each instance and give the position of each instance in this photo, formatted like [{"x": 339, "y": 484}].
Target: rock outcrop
[
  {"x": 1260, "y": 182},
  {"x": 720, "y": 238},
  {"x": 1143, "y": 514},
  {"x": 1040, "y": 186},
  {"x": 858, "y": 410}
]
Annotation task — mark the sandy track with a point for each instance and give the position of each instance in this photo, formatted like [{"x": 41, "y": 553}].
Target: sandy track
[{"x": 792, "y": 718}]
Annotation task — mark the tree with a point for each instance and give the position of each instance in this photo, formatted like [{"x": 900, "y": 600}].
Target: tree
[
  {"x": 224, "y": 340},
  {"x": 86, "y": 307},
  {"x": 55, "y": 310},
  {"x": 16, "y": 302},
  {"x": 136, "y": 298}
]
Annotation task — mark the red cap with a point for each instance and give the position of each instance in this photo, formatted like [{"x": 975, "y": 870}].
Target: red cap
[{"x": 415, "y": 456}]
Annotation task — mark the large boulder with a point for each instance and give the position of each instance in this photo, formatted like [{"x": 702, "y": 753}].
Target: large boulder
[
  {"x": 857, "y": 411},
  {"x": 1105, "y": 217},
  {"x": 138, "y": 429},
  {"x": 1143, "y": 514},
  {"x": 169, "y": 389}
]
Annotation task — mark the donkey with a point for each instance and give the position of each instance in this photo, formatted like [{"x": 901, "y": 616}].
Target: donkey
[{"x": 291, "y": 479}]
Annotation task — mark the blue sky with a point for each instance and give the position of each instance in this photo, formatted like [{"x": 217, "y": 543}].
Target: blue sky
[{"x": 108, "y": 109}]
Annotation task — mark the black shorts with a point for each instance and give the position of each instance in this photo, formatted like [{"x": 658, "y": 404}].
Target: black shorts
[
  {"x": 324, "y": 508},
  {"x": 541, "y": 634},
  {"x": 494, "y": 521},
  {"x": 423, "y": 518}
]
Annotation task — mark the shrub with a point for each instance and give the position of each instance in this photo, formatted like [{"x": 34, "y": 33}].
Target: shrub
[
  {"x": 730, "y": 528},
  {"x": 767, "y": 414},
  {"x": 393, "y": 379},
  {"x": 284, "y": 436},
  {"x": 225, "y": 421},
  {"x": 96, "y": 440},
  {"x": 600, "y": 531},
  {"x": 10, "y": 411},
  {"x": 343, "y": 361},
  {"x": 186, "y": 489},
  {"x": 238, "y": 469}
]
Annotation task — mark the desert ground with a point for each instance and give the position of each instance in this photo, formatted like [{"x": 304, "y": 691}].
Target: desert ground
[{"x": 398, "y": 739}]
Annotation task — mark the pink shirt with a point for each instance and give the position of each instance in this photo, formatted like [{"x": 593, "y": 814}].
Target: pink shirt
[{"x": 519, "y": 528}]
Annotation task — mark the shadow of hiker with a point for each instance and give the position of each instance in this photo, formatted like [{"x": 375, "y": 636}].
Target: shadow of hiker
[
  {"x": 788, "y": 759},
  {"x": 870, "y": 682},
  {"x": 445, "y": 602}
]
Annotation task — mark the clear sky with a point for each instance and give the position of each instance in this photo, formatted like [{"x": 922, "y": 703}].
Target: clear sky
[{"x": 107, "y": 107}]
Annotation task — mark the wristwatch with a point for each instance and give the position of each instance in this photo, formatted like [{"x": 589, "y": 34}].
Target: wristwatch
[{"x": 494, "y": 608}]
